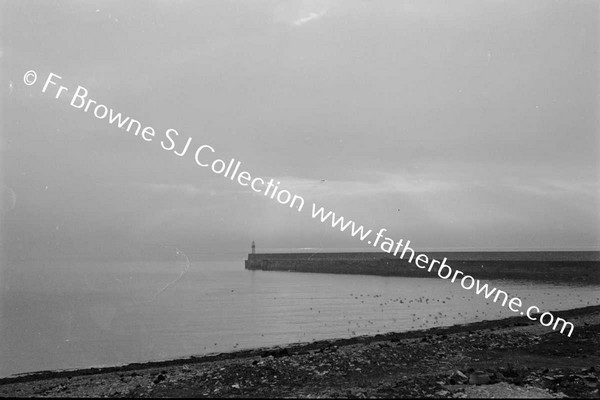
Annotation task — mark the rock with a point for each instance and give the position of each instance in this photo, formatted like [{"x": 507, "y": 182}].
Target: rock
[
  {"x": 281, "y": 353},
  {"x": 459, "y": 376},
  {"x": 479, "y": 378},
  {"x": 159, "y": 378},
  {"x": 590, "y": 381}
]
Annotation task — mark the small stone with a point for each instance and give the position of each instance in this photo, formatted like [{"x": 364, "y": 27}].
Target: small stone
[{"x": 459, "y": 376}]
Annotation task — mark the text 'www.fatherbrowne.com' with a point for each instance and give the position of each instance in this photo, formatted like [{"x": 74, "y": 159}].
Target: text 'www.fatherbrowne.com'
[
  {"x": 231, "y": 169},
  {"x": 442, "y": 269}
]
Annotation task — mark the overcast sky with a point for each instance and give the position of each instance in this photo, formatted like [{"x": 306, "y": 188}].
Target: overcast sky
[{"x": 457, "y": 125}]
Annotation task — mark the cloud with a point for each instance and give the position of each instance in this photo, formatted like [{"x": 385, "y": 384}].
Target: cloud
[
  {"x": 380, "y": 183},
  {"x": 300, "y": 12},
  {"x": 310, "y": 17},
  {"x": 186, "y": 189}
]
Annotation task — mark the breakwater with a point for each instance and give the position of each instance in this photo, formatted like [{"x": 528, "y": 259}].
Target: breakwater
[{"x": 580, "y": 266}]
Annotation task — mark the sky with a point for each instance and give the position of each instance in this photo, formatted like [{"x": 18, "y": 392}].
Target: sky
[{"x": 464, "y": 125}]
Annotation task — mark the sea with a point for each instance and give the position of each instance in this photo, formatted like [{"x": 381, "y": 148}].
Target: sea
[{"x": 66, "y": 315}]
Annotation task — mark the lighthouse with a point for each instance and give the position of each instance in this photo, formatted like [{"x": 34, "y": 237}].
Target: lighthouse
[{"x": 253, "y": 247}]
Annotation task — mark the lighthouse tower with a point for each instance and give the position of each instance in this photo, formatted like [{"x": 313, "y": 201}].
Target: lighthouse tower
[{"x": 253, "y": 247}]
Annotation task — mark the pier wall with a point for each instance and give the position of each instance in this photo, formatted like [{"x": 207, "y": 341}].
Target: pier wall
[{"x": 547, "y": 266}]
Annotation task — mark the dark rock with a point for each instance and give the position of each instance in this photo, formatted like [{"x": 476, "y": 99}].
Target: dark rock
[{"x": 479, "y": 378}]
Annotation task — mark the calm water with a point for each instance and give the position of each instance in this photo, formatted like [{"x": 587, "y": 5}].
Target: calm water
[{"x": 70, "y": 315}]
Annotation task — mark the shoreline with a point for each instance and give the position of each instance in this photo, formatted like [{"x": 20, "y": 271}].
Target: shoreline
[{"x": 140, "y": 379}]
